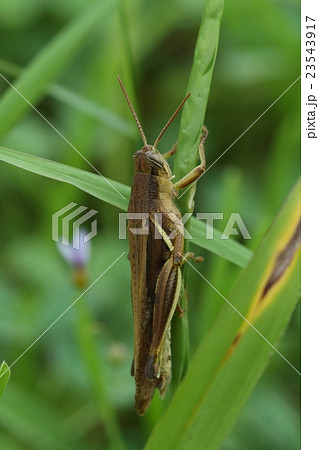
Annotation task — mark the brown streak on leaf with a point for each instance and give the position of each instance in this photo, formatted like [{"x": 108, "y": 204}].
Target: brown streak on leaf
[{"x": 283, "y": 260}]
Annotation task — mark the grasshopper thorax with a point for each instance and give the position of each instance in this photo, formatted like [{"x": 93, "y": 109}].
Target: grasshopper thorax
[{"x": 149, "y": 160}]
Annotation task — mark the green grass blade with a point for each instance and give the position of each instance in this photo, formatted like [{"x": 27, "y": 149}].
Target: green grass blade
[
  {"x": 229, "y": 249},
  {"x": 186, "y": 158},
  {"x": 49, "y": 62},
  {"x": 218, "y": 268},
  {"x": 92, "y": 109},
  {"x": 98, "y": 377},
  {"x": 194, "y": 110},
  {"x": 78, "y": 102},
  {"x": 35, "y": 422},
  {"x": 86, "y": 181},
  {"x": 99, "y": 188},
  {"x": 232, "y": 356},
  {"x": 4, "y": 376}
]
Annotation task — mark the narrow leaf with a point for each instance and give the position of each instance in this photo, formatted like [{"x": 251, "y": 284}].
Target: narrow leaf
[
  {"x": 193, "y": 113},
  {"x": 233, "y": 355},
  {"x": 49, "y": 62},
  {"x": 186, "y": 158},
  {"x": 75, "y": 100},
  {"x": 94, "y": 184},
  {"x": 34, "y": 421},
  {"x": 106, "y": 190}
]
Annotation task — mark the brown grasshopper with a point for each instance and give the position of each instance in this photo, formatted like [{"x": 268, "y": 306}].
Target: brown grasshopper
[{"x": 156, "y": 259}]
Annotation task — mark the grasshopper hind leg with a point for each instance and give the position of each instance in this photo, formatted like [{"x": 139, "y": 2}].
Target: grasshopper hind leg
[
  {"x": 166, "y": 364},
  {"x": 167, "y": 294}
]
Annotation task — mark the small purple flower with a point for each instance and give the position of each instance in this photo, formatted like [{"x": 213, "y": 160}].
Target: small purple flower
[{"x": 78, "y": 258}]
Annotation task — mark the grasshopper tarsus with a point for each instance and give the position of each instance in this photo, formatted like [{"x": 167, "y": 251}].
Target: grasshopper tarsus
[
  {"x": 204, "y": 134},
  {"x": 190, "y": 255}
]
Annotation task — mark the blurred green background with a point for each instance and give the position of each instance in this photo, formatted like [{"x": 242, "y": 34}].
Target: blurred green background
[{"x": 50, "y": 401}]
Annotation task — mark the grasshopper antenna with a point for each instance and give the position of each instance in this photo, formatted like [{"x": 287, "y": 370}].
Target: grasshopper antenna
[
  {"x": 138, "y": 123},
  {"x": 171, "y": 120}
]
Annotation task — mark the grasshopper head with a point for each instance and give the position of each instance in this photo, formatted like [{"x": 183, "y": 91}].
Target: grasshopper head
[{"x": 149, "y": 160}]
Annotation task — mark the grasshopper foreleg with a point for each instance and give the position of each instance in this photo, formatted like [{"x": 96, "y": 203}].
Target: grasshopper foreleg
[{"x": 198, "y": 170}]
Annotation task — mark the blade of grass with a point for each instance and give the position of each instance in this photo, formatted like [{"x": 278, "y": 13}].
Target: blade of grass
[
  {"x": 226, "y": 248},
  {"x": 92, "y": 109},
  {"x": 34, "y": 422},
  {"x": 232, "y": 356},
  {"x": 97, "y": 186},
  {"x": 188, "y": 140},
  {"x": 49, "y": 62},
  {"x": 194, "y": 110},
  {"x": 10, "y": 442},
  {"x": 76, "y": 101},
  {"x": 4, "y": 376},
  {"x": 98, "y": 378},
  {"x": 220, "y": 269},
  {"x": 88, "y": 182}
]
